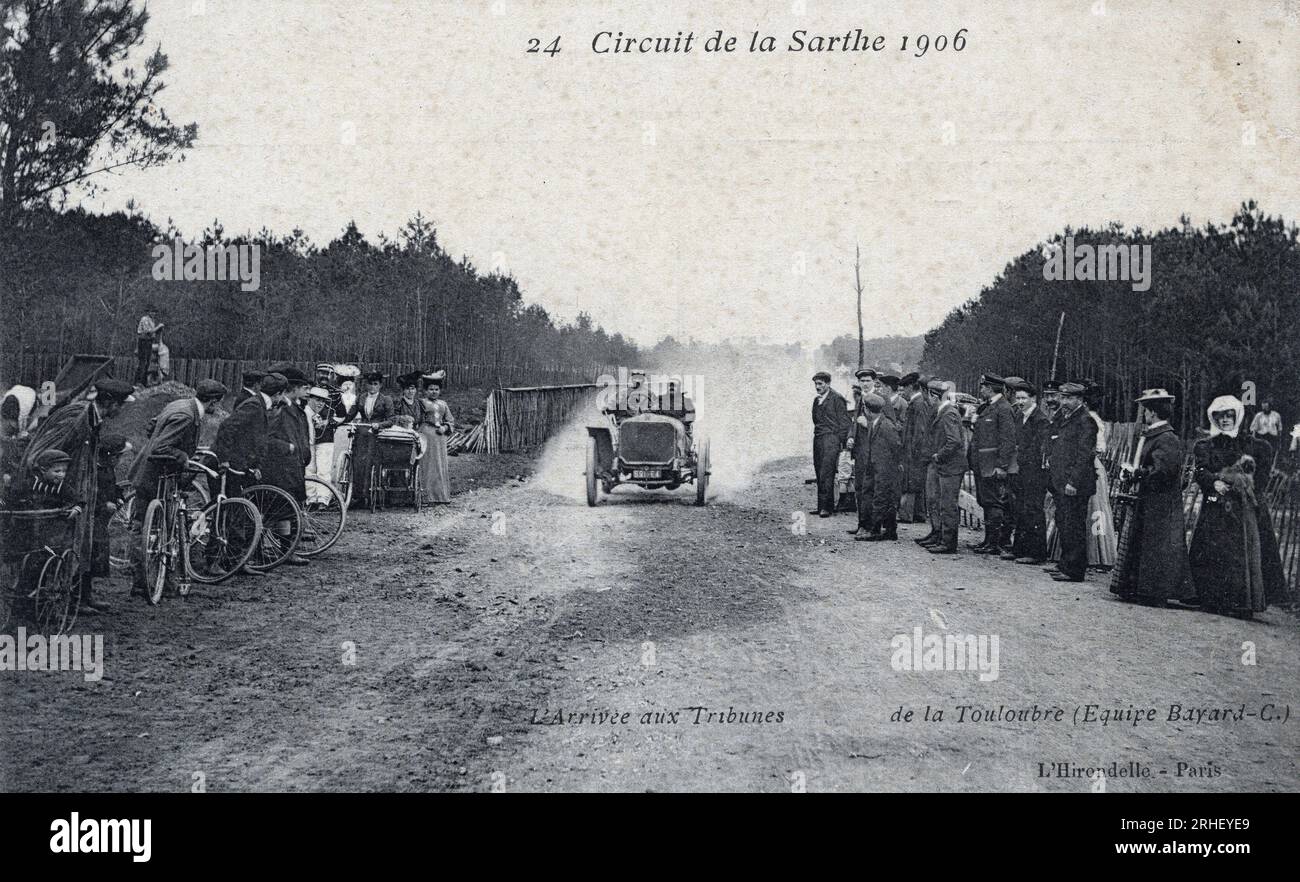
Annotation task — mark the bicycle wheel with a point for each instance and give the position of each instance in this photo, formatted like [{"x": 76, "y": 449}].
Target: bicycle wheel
[
  {"x": 57, "y": 594},
  {"x": 323, "y": 517},
  {"x": 120, "y": 537},
  {"x": 281, "y": 526},
  {"x": 222, "y": 539},
  {"x": 344, "y": 484},
  {"x": 158, "y": 550}
]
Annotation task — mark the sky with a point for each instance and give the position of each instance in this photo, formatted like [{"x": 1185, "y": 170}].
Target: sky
[{"x": 722, "y": 195}]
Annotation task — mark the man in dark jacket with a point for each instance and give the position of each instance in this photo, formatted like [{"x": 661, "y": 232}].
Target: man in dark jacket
[
  {"x": 251, "y": 379},
  {"x": 1070, "y": 457},
  {"x": 1029, "y": 481},
  {"x": 1153, "y": 567},
  {"x": 881, "y": 447},
  {"x": 947, "y": 467},
  {"x": 915, "y": 454},
  {"x": 992, "y": 455},
  {"x": 830, "y": 416},
  {"x": 173, "y": 436}
]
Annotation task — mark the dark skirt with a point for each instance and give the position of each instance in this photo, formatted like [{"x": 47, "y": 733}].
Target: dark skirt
[{"x": 1225, "y": 557}]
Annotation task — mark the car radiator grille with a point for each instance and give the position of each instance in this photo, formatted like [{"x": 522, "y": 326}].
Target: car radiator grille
[{"x": 647, "y": 442}]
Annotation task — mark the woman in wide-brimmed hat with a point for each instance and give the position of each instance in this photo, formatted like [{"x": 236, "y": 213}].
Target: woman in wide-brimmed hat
[
  {"x": 1154, "y": 569},
  {"x": 1234, "y": 558}
]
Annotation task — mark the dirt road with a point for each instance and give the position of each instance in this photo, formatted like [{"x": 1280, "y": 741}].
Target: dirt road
[{"x": 437, "y": 651}]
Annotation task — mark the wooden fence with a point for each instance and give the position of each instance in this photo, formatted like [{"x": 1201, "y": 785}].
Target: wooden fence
[
  {"x": 517, "y": 419},
  {"x": 31, "y": 368}
]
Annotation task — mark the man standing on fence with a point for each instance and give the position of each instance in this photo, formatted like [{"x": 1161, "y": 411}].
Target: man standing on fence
[{"x": 145, "y": 332}]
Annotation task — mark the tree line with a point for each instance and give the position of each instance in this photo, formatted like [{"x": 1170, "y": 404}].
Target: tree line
[
  {"x": 1219, "y": 317},
  {"x": 73, "y": 281}
]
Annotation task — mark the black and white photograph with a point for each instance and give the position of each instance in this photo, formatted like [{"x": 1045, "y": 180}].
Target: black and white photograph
[{"x": 521, "y": 396}]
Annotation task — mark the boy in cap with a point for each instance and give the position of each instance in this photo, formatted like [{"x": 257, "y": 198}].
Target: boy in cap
[{"x": 882, "y": 444}]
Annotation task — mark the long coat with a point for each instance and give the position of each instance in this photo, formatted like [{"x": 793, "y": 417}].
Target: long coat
[
  {"x": 1155, "y": 566},
  {"x": 916, "y": 443},
  {"x": 73, "y": 428},
  {"x": 948, "y": 440},
  {"x": 1071, "y": 452},
  {"x": 242, "y": 436},
  {"x": 174, "y": 433},
  {"x": 993, "y": 444},
  {"x": 1031, "y": 439},
  {"x": 286, "y": 467},
  {"x": 1234, "y": 557},
  {"x": 883, "y": 445}
]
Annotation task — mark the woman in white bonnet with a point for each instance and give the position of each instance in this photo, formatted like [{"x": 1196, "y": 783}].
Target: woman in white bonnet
[{"x": 1234, "y": 558}]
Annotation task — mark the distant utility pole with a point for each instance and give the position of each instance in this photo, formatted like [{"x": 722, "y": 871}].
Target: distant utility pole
[{"x": 857, "y": 281}]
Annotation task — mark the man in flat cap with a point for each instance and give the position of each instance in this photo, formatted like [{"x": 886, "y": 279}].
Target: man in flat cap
[
  {"x": 171, "y": 439},
  {"x": 1029, "y": 481},
  {"x": 831, "y": 421},
  {"x": 894, "y": 402},
  {"x": 250, "y": 380},
  {"x": 947, "y": 468},
  {"x": 1071, "y": 452},
  {"x": 993, "y": 456},
  {"x": 916, "y": 451},
  {"x": 74, "y": 428}
]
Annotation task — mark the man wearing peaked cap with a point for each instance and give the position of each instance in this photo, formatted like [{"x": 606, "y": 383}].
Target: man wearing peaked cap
[
  {"x": 831, "y": 421},
  {"x": 993, "y": 461},
  {"x": 114, "y": 390},
  {"x": 1071, "y": 452},
  {"x": 210, "y": 391},
  {"x": 858, "y": 444},
  {"x": 250, "y": 379}
]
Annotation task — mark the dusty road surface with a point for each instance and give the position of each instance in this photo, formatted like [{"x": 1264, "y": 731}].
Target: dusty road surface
[{"x": 518, "y": 640}]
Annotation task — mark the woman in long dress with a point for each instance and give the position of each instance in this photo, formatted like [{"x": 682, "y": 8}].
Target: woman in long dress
[
  {"x": 1102, "y": 540},
  {"x": 1234, "y": 557},
  {"x": 436, "y": 426}
]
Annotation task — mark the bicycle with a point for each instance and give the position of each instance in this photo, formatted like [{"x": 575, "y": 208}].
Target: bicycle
[
  {"x": 180, "y": 545},
  {"x": 46, "y": 585},
  {"x": 281, "y": 518},
  {"x": 324, "y": 516}
]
